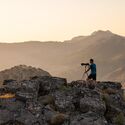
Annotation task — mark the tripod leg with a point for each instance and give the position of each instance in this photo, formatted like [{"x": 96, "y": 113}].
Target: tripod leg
[
  {"x": 87, "y": 76},
  {"x": 83, "y": 76}
]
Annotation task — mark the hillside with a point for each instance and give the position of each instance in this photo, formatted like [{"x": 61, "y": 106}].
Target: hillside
[
  {"x": 51, "y": 101},
  {"x": 117, "y": 75},
  {"x": 21, "y": 72},
  {"x": 63, "y": 58}
]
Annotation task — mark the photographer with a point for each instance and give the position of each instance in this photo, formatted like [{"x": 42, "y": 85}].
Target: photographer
[{"x": 92, "y": 67}]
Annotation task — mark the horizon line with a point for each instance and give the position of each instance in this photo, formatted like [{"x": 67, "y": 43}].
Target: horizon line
[{"x": 58, "y": 41}]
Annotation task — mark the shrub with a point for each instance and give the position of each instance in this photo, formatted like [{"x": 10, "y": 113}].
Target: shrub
[
  {"x": 109, "y": 91},
  {"x": 119, "y": 119},
  {"x": 65, "y": 88},
  {"x": 106, "y": 99}
]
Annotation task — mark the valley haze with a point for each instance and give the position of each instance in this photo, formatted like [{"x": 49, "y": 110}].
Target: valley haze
[{"x": 63, "y": 59}]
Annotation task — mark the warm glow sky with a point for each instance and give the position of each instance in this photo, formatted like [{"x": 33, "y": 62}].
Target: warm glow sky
[{"x": 23, "y": 20}]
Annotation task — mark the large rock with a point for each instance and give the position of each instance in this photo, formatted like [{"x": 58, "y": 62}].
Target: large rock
[
  {"x": 115, "y": 104},
  {"x": 28, "y": 90},
  {"x": 64, "y": 101},
  {"x": 54, "y": 118},
  {"x": 112, "y": 85},
  {"x": 48, "y": 84},
  {"x": 82, "y": 83},
  {"x": 5, "y": 116},
  {"x": 10, "y": 110},
  {"x": 21, "y": 72},
  {"x": 92, "y": 101}
]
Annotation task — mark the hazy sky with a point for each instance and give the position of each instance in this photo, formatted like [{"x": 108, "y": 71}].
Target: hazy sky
[{"x": 23, "y": 20}]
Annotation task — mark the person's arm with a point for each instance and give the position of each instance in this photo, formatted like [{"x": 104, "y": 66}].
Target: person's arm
[{"x": 88, "y": 69}]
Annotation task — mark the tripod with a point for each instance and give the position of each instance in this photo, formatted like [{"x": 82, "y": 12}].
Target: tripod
[{"x": 83, "y": 76}]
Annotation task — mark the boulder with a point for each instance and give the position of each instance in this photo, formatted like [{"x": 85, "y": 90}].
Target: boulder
[
  {"x": 105, "y": 85},
  {"x": 54, "y": 118},
  {"x": 92, "y": 101},
  {"x": 49, "y": 84},
  {"x": 64, "y": 101}
]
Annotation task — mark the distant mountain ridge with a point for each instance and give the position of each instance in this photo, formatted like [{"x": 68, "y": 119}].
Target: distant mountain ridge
[{"x": 63, "y": 58}]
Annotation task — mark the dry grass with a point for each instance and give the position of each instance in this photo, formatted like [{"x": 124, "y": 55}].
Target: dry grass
[
  {"x": 109, "y": 91},
  {"x": 120, "y": 119}
]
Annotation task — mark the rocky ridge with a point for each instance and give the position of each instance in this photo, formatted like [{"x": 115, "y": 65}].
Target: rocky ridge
[
  {"x": 21, "y": 72},
  {"x": 50, "y": 100}
]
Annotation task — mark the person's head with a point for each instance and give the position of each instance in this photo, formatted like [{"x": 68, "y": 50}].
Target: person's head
[{"x": 91, "y": 61}]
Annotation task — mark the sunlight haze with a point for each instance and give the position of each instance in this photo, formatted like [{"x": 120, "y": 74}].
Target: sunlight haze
[{"x": 58, "y": 20}]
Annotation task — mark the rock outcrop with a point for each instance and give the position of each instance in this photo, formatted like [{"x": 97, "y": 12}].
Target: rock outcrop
[
  {"x": 50, "y": 100},
  {"x": 21, "y": 72}
]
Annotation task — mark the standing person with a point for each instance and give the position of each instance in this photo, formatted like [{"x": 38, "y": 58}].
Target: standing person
[{"x": 92, "y": 68}]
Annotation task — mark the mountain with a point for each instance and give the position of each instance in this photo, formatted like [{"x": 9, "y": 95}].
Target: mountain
[
  {"x": 63, "y": 59},
  {"x": 21, "y": 72},
  {"x": 117, "y": 75}
]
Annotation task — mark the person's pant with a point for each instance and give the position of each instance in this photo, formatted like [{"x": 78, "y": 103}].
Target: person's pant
[{"x": 92, "y": 76}]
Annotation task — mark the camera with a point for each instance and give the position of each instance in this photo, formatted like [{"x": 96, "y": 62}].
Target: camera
[{"x": 84, "y": 64}]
